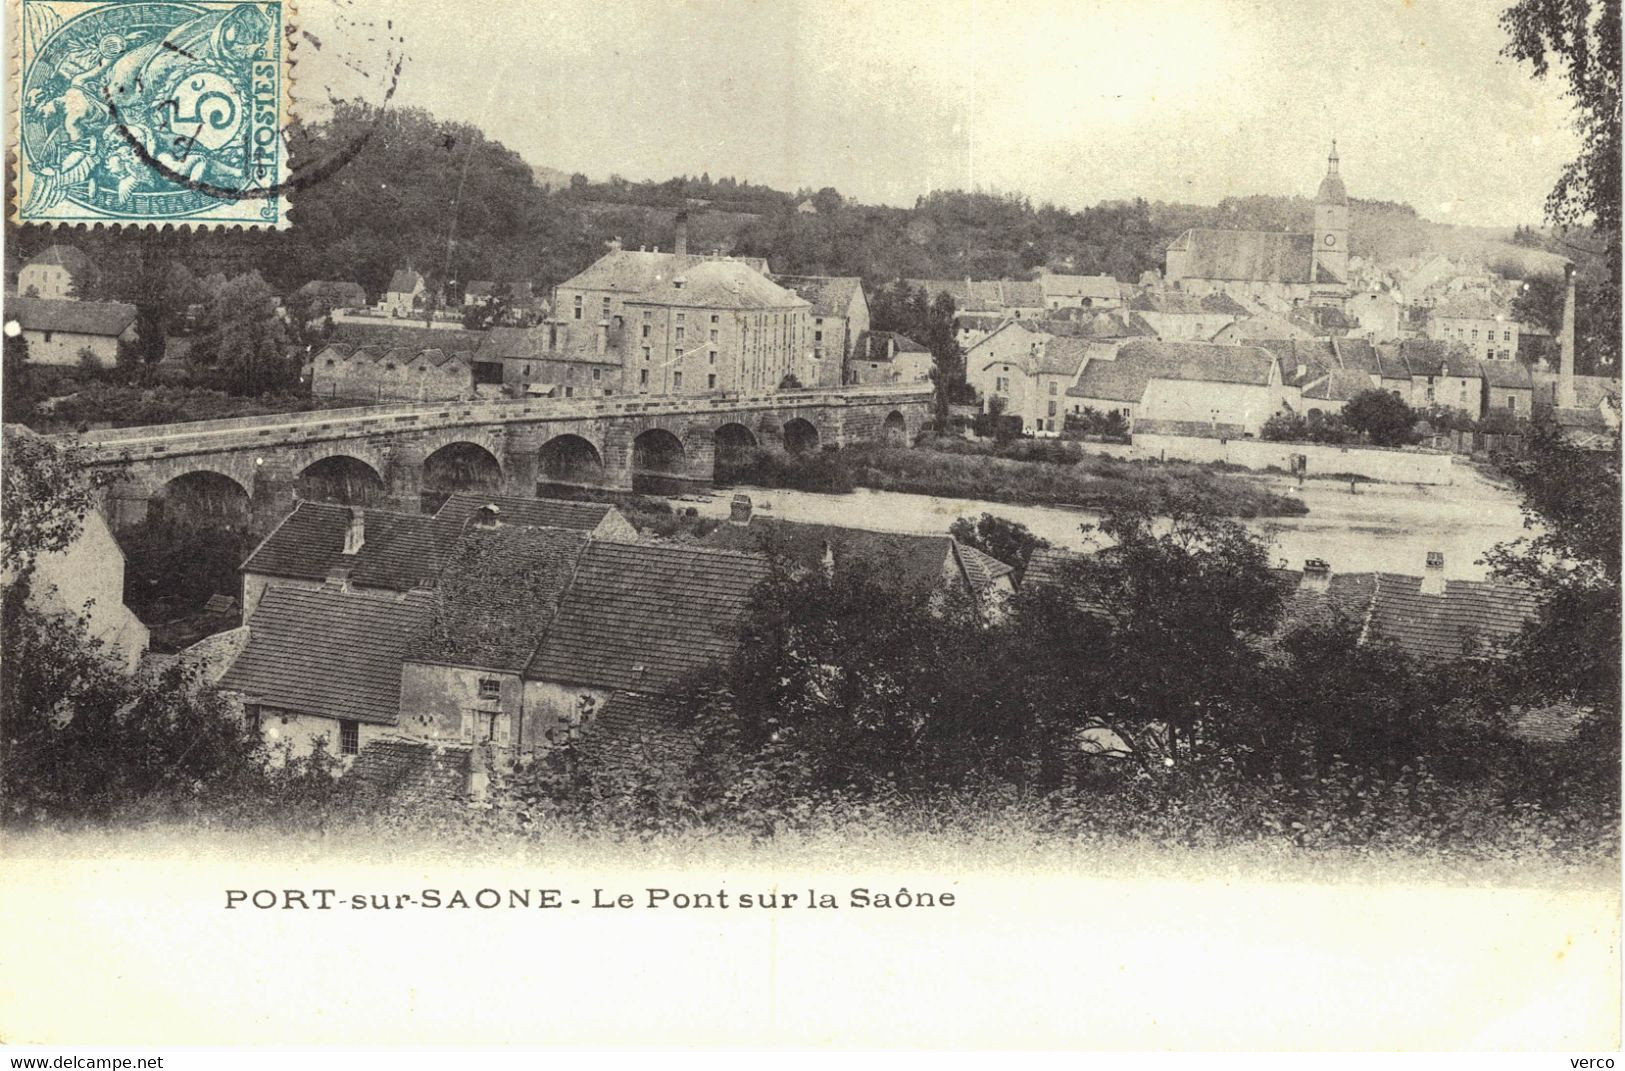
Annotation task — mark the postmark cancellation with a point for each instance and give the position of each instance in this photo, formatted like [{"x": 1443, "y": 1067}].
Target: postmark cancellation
[{"x": 150, "y": 112}]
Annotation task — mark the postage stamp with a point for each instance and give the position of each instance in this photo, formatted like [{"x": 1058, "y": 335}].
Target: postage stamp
[{"x": 151, "y": 112}]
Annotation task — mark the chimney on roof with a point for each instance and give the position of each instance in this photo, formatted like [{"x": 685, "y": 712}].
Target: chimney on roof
[
  {"x": 681, "y": 245},
  {"x": 1566, "y": 398},
  {"x": 614, "y": 245},
  {"x": 1433, "y": 576},
  {"x": 355, "y": 536},
  {"x": 1317, "y": 574},
  {"x": 487, "y": 516},
  {"x": 601, "y": 338},
  {"x": 739, "y": 510}
]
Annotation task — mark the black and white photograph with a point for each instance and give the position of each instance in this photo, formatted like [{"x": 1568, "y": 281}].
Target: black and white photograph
[{"x": 787, "y": 524}]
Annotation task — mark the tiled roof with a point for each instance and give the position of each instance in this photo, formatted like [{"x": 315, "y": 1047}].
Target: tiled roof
[
  {"x": 1093, "y": 287},
  {"x": 719, "y": 284},
  {"x": 399, "y": 550},
  {"x": 1469, "y": 614},
  {"x": 385, "y": 335},
  {"x": 915, "y": 562},
  {"x": 1266, "y": 256},
  {"x": 641, "y": 617},
  {"x": 1338, "y": 385},
  {"x": 632, "y": 731},
  {"x": 1316, "y": 356},
  {"x": 1093, "y": 323},
  {"x": 1507, "y": 375},
  {"x": 1048, "y": 565},
  {"x": 406, "y": 771},
  {"x": 404, "y": 281},
  {"x": 829, "y": 295},
  {"x": 1140, "y": 361},
  {"x": 632, "y": 271},
  {"x": 328, "y": 653},
  {"x": 1468, "y": 306},
  {"x": 871, "y": 345},
  {"x": 531, "y": 512},
  {"x": 498, "y": 594},
  {"x": 984, "y": 570},
  {"x": 61, "y": 256},
  {"x": 1357, "y": 354},
  {"x": 106, "y": 319},
  {"x": 983, "y": 295}
]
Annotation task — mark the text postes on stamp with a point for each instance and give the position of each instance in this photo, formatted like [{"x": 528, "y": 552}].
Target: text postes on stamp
[{"x": 151, "y": 112}]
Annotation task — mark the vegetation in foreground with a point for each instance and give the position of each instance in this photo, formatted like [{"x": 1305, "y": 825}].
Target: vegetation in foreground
[
  {"x": 1023, "y": 471},
  {"x": 1238, "y": 719}
]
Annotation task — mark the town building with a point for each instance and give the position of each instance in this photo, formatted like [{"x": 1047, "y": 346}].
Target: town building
[
  {"x": 1005, "y": 298},
  {"x": 1475, "y": 322},
  {"x": 840, "y": 316},
  {"x": 556, "y": 359},
  {"x": 366, "y": 374},
  {"x": 1284, "y": 267},
  {"x": 405, "y": 294},
  {"x": 1025, "y": 370},
  {"x": 1079, "y": 291},
  {"x": 1177, "y": 316},
  {"x": 65, "y": 331},
  {"x": 59, "y": 272},
  {"x": 1184, "y": 387},
  {"x": 882, "y": 357}
]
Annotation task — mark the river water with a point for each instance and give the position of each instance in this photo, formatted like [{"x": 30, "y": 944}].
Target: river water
[{"x": 1382, "y": 527}]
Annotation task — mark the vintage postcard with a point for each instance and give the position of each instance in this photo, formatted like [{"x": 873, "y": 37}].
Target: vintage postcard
[
  {"x": 150, "y": 113},
  {"x": 969, "y": 524}
]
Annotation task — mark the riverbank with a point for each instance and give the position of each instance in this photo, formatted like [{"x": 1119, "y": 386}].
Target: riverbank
[{"x": 1050, "y": 476}]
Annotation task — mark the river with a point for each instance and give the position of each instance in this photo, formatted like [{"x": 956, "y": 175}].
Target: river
[{"x": 1382, "y": 527}]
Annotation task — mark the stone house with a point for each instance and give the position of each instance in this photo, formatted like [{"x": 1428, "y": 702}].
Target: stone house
[
  {"x": 60, "y": 331},
  {"x": 1509, "y": 386},
  {"x": 1477, "y": 324},
  {"x": 1177, "y": 316},
  {"x": 1031, "y": 370},
  {"x": 840, "y": 316},
  {"x": 1006, "y": 298},
  {"x": 883, "y": 357},
  {"x": 1186, "y": 387},
  {"x": 59, "y": 272},
  {"x": 555, "y": 359},
  {"x": 367, "y": 374},
  {"x": 1079, "y": 291},
  {"x": 404, "y": 295}
]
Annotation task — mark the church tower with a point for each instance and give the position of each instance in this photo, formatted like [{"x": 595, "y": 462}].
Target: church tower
[{"x": 1332, "y": 225}]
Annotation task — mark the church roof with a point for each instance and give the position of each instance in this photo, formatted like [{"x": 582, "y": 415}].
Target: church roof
[
  {"x": 1265, "y": 256},
  {"x": 1332, "y": 191}
]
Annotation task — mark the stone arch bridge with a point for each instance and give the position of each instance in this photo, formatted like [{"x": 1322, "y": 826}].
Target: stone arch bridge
[{"x": 515, "y": 446}]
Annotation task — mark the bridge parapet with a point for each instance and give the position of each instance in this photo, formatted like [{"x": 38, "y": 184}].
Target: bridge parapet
[{"x": 206, "y": 436}]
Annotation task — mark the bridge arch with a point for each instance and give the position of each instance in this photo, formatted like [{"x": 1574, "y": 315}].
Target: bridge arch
[
  {"x": 659, "y": 451},
  {"x": 800, "y": 436},
  {"x": 461, "y": 466},
  {"x": 732, "y": 445},
  {"x": 342, "y": 478},
  {"x": 203, "y": 494},
  {"x": 570, "y": 459},
  {"x": 894, "y": 430}
]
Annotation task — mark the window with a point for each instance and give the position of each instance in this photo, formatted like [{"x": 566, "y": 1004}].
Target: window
[
  {"x": 711, "y": 357},
  {"x": 578, "y": 306},
  {"x": 646, "y": 353},
  {"x": 677, "y": 354},
  {"x": 1052, "y": 387},
  {"x": 713, "y": 334},
  {"x": 597, "y": 374},
  {"x": 389, "y": 366},
  {"x": 490, "y": 688},
  {"x": 349, "y": 737},
  {"x": 711, "y": 382},
  {"x": 677, "y": 381},
  {"x": 1052, "y": 413},
  {"x": 47, "y": 336},
  {"x": 643, "y": 377},
  {"x": 682, "y": 316},
  {"x": 648, "y": 314},
  {"x": 569, "y": 392},
  {"x": 606, "y": 305},
  {"x": 818, "y": 336},
  {"x": 1475, "y": 334},
  {"x": 330, "y": 362},
  {"x": 1506, "y": 335},
  {"x": 1512, "y": 401},
  {"x": 680, "y": 332},
  {"x": 645, "y": 331},
  {"x": 715, "y": 318}
]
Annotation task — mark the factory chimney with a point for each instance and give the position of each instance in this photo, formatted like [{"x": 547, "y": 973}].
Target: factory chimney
[
  {"x": 681, "y": 248},
  {"x": 1565, "y": 373}
]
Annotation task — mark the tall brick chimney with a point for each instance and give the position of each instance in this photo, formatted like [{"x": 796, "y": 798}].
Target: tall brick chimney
[
  {"x": 1565, "y": 371},
  {"x": 681, "y": 248}
]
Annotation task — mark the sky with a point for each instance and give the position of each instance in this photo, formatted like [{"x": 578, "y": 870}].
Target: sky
[{"x": 1072, "y": 102}]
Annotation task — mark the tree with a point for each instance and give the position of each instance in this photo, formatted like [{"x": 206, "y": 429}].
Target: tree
[
  {"x": 245, "y": 339},
  {"x": 17, "y": 398},
  {"x": 1569, "y": 653},
  {"x": 1010, "y": 542},
  {"x": 1284, "y": 427},
  {"x": 1380, "y": 416},
  {"x": 47, "y": 494}
]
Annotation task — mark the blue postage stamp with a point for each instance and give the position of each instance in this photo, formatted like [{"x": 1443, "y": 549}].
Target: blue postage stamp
[{"x": 152, "y": 112}]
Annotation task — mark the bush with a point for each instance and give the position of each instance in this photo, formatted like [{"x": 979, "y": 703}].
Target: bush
[{"x": 1382, "y": 417}]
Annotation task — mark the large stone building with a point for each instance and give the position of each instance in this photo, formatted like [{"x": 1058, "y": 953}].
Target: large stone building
[
  {"x": 58, "y": 272},
  {"x": 1476, "y": 322},
  {"x": 1282, "y": 267},
  {"x": 840, "y": 315},
  {"x": 682, "y": 324}
]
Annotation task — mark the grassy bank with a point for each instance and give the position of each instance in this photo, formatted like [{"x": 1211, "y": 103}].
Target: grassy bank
[{"x": 1026, "y": 472}]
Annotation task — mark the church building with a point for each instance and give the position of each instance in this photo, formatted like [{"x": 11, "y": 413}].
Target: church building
[{"x": 1278, "y": 268}]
